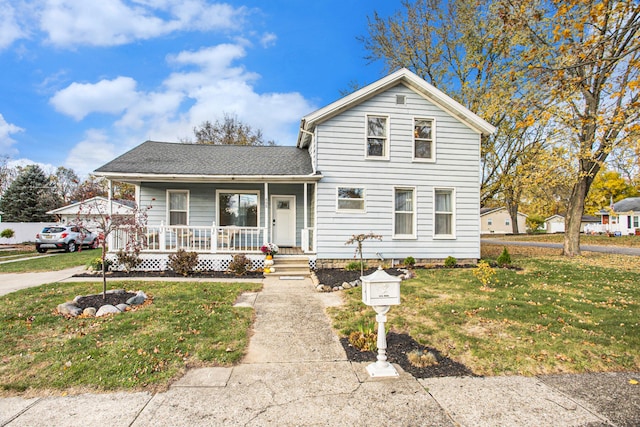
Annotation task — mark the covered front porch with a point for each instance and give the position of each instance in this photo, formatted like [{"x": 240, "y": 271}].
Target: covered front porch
[{"x": 223, "y": 218}]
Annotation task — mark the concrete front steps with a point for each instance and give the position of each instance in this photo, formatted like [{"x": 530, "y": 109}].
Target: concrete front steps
[{"x": 290, "y": 267}]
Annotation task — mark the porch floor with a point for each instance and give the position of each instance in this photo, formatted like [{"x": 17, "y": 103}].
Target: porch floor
[{"x": 290, "y": 251}]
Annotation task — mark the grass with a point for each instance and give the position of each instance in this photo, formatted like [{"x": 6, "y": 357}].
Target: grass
[
  {"x": 585, "y": 239},
  {"x": 555, "y": 315},
  {"x": 58, "y": 261},
  {"x": 188, "y": 324}
]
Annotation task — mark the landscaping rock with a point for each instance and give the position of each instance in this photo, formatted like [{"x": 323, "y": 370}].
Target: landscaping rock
[
  {"x": 107, "y": 309},
  {"x": 138, "y": 299},
  {"x": 69, "y": 308},
  {"x": 89, "y": 311},
  {"x": 122, "y": 307}
]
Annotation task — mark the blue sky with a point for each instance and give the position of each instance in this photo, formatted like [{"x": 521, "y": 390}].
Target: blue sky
[{"x": 83, "y": 81}]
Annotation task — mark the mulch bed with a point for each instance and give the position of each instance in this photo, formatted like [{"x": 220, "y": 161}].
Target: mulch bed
[
  {"x": 398, "y": 346},
  {"x": 337, "y": 276},
  {"x": 168, "y": 273}
]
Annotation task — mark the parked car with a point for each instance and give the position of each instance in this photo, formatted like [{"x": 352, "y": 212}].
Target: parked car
[{"x": 67, "y": 237}]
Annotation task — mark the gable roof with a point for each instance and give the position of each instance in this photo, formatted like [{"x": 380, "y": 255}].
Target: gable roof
[
  {"x": 630, "y": 204},
  {"x": 402, "y": 76},
  {"x": 153, "y": 160},
  {"x": 95, "y": 205}
]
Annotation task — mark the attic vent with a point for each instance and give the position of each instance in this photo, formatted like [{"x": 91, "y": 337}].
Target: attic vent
[{"x": 401, "y": 99}]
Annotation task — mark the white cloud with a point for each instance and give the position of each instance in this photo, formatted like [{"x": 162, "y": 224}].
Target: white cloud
[
  {"x": 6, "y": 130},
  {"x": 10, "y": 29},
  {"x": 268, "y": 40},
  {"x": 107, "y": 96},
  {"x": 91, "y": 153},
  {"x": 116, "y": 22}
]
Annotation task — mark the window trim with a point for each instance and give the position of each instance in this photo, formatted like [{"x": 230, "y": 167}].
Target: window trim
[
  {"x": 168, "y": 207},
  {"x": 414, "y": 212},
  {"x": 232, "y": 191},
  {"x": 364, "y": 200},
  {"x": 386, "y": 148},
  {"x": 451, "y": 236},
  {"x": 432, "y": 159}
]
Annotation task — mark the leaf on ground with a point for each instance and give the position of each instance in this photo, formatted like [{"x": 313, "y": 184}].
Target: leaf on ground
[{"x": 633, "y": 382}]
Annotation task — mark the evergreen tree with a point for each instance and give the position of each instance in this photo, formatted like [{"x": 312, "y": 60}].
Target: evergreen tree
[{"x": 29, "y": 197}]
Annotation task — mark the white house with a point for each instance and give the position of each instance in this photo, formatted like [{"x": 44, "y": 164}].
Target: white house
[
  {"x": 498, "y": 221},
  {"x": 556, "y": 223},
  {"x": 89, "y": 211},
  {"x": 622, "y": 218},
  {"x": 397, "y": 158}
]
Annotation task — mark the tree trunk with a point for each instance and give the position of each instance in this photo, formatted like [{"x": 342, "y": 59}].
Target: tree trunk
[
  {"x": 512, "y": 208},
  {"x": 575, "y": 209}
]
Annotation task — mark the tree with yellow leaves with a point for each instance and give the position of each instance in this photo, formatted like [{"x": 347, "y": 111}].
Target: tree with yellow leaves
[{"x": 584, "y": 56}]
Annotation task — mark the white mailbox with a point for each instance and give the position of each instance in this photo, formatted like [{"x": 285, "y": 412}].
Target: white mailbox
[{"x": 380, "y": 289}]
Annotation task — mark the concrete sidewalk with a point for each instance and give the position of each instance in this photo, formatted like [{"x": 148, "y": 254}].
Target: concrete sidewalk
[
  {"x": 11, "y": 282},
  {"x": 296, "y": 374}
]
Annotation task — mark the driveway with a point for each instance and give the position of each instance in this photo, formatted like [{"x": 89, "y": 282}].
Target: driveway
[{"x": 592, "y": 248}]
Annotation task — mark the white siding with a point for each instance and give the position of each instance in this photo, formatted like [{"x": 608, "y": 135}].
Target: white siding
[{"x": 341, "y": 160}]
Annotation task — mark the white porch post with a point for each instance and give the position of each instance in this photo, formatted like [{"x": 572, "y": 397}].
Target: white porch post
[
  {"x": 267, "y": 224},
  {"x": 109, "y": 198},
  {"x": 305, "y": 239}
]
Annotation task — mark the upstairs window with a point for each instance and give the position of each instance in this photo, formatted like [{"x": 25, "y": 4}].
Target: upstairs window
[
  {"x": 377, "y": 137},
  {"x": 178, "y": 207},
  {"x": 350, "y": 199},
  {"x": 423, "y": 140}
]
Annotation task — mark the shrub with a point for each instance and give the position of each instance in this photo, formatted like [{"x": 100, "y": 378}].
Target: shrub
[
  {"x": 355, "y": 265},
  {"x": 128, "y": 259},
  {"x": 7, "y": 233},
  {"x": 183, "y": 262},
  {"x": 484, "y": 273},
  {"x": 96, "y": 264},
  {"x": 504, "y": 258},
  {"x": 409, "y": 261},
  {"x": 420, "y": 359},
  {"x": 365, "y": 338},
  {"x": 450, "y": 262},
  {"x": 240, "y": 264}
]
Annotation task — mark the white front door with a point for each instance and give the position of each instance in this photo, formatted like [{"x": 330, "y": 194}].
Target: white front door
[{"x": 283, "y": 220}]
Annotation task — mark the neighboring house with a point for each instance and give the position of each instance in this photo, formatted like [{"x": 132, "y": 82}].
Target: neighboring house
[
  {"x": 91, "y": 211},
  {"x": 498, "y": 221},
  {"x": 555, "y": 223},
  {"x": 397, "y": 158},
  {"x": 623, "y": 218}
]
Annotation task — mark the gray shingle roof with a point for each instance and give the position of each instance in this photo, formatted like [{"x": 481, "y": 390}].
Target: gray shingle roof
[
  {"x": 163, "y": 158},
  {"x": 627, "y": 205}
]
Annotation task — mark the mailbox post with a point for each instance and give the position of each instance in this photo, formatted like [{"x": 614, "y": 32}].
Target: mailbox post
[{"x": 381, "y": 290}]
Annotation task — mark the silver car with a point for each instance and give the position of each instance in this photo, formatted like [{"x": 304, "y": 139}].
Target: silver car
[{"x": 67, "y": 237}]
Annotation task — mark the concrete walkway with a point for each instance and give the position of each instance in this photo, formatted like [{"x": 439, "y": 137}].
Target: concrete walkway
[
  {"x": 11, "y": 282},
  {"x": 296, "y": 374}
]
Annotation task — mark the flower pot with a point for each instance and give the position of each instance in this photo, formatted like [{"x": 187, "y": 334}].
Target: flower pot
[{"x": 269, "y": 256}]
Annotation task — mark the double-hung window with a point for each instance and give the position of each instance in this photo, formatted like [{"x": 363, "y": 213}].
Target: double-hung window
[
  {"x": 178, "y": 207},
  {"x": 238, "y": 209},
  {"x": 404, "y": 221},
  {"x": 424, "y": 139},
  {"x": 444, "y": 214},
  {"x": 350, "y": 199},
  {"x": 377, "y": 137}
]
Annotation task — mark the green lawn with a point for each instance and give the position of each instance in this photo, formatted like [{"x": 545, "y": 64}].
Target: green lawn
[
  {"x": 188, "y": 324},
  {"x": 57, "y": 261},
  {"x": 555, "y": 315}
]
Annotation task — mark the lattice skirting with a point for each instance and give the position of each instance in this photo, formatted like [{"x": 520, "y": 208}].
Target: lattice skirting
[{"x": 206, "y": 262}]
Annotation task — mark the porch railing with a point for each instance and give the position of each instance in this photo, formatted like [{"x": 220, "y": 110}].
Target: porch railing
[
  {"x": 306, "y": 238},
  {"x": 170, "y": 238}
]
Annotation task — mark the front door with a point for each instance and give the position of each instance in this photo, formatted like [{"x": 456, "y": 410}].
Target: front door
[{"x": 283, "y": 221}]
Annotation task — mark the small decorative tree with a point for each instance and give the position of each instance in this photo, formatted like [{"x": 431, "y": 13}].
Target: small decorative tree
[
  {"x": 131, "y": 226},
  {"x": 358, "y": 239}
]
